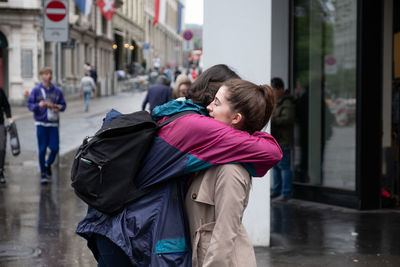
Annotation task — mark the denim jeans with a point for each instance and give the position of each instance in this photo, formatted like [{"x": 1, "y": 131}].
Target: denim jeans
[
  {"x": 87, "y": 99},
  {"x": 283, "y": 175},
  {"x": 47, "y": 137}
]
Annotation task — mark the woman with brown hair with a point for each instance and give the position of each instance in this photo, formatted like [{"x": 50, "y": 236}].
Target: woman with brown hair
[
  {"x": 182, "y": 85},
  {"x": 218, "y": 196}
]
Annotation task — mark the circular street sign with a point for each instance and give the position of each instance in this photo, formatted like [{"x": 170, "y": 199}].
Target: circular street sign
[
  {"x": 330, "y": 61},
  {"x": 188, "y": 35},
  {"x": 56, "y": 11}
]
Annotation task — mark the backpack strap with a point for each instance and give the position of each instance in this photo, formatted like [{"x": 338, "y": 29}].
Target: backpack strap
[
  {"x": 138, "y": 193},
  {"x": 177, "y": 115}
]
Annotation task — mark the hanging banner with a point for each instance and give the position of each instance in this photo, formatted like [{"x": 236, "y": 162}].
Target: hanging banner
[
  {"x": 84, "y": 5},
  {"x": 106, "y": 8}
]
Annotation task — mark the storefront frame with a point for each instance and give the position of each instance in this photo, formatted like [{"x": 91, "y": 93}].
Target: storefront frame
[{"x": 368, "y": 114}]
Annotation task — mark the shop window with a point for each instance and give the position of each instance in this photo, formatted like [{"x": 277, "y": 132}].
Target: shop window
[{"x": 324, "y": 80}]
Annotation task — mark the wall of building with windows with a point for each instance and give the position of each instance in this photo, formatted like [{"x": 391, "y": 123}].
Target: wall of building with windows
[
  {"x": 163, "y": 42},
  {"x": 22, "y": 51}
]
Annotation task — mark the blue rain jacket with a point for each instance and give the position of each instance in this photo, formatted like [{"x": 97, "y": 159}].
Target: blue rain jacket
[{"x": 153, "y": 230}]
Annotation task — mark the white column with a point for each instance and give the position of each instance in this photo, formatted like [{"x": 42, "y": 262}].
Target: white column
[{"x": 238, "y": 33}]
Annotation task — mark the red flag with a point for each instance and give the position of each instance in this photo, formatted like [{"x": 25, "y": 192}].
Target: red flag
[
  {"x": 106, "y": 8},
  {"x": 156, "y": 11}
]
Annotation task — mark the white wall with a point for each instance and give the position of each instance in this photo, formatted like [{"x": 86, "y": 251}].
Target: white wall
[{"x": 238, "y": 33}]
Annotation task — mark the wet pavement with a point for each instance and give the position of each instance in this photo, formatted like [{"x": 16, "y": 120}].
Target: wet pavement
[
  {"x": 311, "y": 234},
  {"x": 37, "y": 223}
]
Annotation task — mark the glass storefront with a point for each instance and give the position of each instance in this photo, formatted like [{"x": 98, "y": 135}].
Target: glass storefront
[{"x": 324, "y": 86}]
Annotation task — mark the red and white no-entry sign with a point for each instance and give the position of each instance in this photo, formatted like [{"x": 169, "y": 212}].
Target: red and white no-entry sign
[
  {"x": 56, "y": 11},
  {"x": 55, "y": 18}
]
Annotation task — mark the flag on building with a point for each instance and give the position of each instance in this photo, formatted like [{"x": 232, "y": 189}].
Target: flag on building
[
  {"x": 107, "y": 8},
  {"x": 84, "y": 5},
  {"x": 180, "y": 13},
  {"x": 159, "y": 11}
]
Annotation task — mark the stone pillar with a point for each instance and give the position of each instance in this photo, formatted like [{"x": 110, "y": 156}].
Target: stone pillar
[{"x": 241, "y": 37}]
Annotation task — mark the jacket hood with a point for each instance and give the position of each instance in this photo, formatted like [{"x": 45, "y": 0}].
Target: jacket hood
[{"x": 175, "y": 106}]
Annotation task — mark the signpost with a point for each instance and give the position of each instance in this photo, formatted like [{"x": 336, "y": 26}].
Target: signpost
[
  {"x": 188, "y": 35},
  {"x": 55, "y": 18},
  {"x": 330, "y": 65}
]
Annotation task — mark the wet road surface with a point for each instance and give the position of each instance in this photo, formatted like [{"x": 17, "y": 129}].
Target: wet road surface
[{"x": 37, "y": 222}]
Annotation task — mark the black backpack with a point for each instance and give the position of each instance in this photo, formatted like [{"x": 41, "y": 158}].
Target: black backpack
[{"x": 105, "y": 165}]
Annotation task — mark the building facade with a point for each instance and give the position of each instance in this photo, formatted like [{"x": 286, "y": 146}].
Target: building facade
[
  {"x": 24, "y": 52},
  {"x": 90, "y": 41},
  {"x": 163, "y": 43},
  {"x": 128, "y": 30},
  {"x": 128, "y": 40},
  {"x": 22, "y": 48}
]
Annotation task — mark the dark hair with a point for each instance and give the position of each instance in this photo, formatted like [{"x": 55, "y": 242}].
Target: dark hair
[
  {"x": 254, "y": 102},
  {"x": 277, "y": 83},
  {"x": 203, "y": 89},
  {"x": 162, "y": 79}
]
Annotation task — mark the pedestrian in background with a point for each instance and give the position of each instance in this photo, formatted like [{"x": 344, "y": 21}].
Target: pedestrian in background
[
  {"x": 193, "y": 73},
  {"x": 87, "y": 86},
  {"x": 158, "y": 94},
  {"x": 182, "y": 84},
  {"x": 93, "y": 73},
  {"x": 46, "y": 101},
  {"x": 4, "y": 107},
  {"x": 176, "y": 73},
  {"x": 92, "y": 70},
  {"x": 282, "y": 124},
  {"x": 218, "y": 196}
]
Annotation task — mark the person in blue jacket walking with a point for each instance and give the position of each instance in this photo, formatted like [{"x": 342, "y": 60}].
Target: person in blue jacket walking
[{"x": 46, "y": 101}]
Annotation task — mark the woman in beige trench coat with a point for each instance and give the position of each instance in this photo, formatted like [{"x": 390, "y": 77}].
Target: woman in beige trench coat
[{"x": 218, "y": 196}]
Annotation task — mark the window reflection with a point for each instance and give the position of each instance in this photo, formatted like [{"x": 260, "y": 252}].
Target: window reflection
[{"x": 324, "y": 79}]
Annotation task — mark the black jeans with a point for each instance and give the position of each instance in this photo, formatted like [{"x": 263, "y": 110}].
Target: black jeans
[{"x": 3, "y": 143}]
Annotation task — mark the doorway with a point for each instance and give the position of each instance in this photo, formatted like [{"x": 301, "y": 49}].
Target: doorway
[
  {"x": 390, "y": 181},
  {"x": 396, "y": 99}
]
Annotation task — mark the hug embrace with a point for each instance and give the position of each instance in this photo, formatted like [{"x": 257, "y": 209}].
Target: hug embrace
[{"x": 205, "y": 163}]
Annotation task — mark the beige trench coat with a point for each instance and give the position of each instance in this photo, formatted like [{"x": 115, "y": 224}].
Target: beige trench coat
[{"x": 215, "y": 203}]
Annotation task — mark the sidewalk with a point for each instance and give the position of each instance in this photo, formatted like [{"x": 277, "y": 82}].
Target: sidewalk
[{"x": 312, "y": 234}]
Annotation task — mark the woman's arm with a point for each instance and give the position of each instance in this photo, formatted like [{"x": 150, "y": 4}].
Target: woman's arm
[
  {"x": 210, "y": 142},
  {"x": 230, "y": 199}
]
